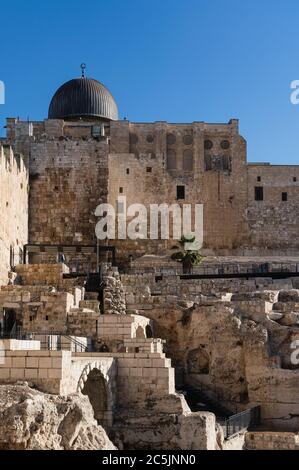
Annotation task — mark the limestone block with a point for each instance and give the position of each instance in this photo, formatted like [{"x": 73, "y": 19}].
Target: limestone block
[
  {"x": 45, "y": 362},
  {"x": 289, "y": 296},
  {"x": 31, "y": 373},
  {"x": 43, "y": 373},
  {"x": 32, "y": 362},
  {"x": 162, "y": 372},
  {"x": 54, "y": 373},
  {"x": 18, "y": 362},
  {"x": 136, "y": 372},
  {"x": 17, "y": 373},
  {"x": 149, "y": 372},
  {"x": 4, "y": 373}
]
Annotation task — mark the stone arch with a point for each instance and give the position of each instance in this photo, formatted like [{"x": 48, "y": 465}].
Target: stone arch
[{"x": 95, "y": 384}]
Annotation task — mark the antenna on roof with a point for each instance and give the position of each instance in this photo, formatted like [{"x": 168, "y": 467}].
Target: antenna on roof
[{"x": 83, "y": 67}]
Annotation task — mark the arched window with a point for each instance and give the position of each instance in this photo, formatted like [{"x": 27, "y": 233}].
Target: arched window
[{"x": 171, "y": 160}]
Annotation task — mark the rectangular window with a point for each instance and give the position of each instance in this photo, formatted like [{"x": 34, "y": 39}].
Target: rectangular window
[
  {"x": 128, "y": 171},
  {"x": 149, "y": 169},
  {"x": 295, "y": 179},
  {"x": 284, "y": 197},
  {"x": 259, "y": 178},
  {"x": 259, "y": 193},
  {"x": 121, "y": 190},
  {"x": 180, "y": 192}
]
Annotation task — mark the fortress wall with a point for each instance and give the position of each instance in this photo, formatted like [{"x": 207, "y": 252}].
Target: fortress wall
[
  {"x": 147, "y": 163},
  {"x": 68, "y": 180},
  {"x": 274, "y": 223},
  {"x": 13, "y": 208},
  {"x": 72, "y": 170}
]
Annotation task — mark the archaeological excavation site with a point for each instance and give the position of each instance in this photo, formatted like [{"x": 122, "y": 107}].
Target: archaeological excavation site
[{"x": 123, "y": 343}]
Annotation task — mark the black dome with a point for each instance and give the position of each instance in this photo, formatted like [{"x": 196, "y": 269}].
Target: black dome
[{"x": 83, "y": 97}]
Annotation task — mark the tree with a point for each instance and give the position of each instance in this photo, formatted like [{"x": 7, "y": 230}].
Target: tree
[{"x": 187, "y": 257}]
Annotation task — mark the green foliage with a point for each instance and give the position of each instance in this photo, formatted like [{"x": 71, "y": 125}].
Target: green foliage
[{"x": 187, "y": 257}]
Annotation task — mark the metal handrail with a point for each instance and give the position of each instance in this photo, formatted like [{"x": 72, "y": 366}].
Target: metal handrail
[
  {"x": 241, "y": 421},
  {"x": 76, "y": 342},
  {"x": 30, "y": 334}
]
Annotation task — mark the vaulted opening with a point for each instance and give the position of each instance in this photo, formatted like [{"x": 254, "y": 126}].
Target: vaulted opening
[
  {"x": 95, "y": 388},
  {"x": 9, "y": 321}
]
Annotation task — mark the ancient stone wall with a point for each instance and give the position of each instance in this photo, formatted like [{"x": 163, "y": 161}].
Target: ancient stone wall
[
  {"x": 13, "y": 209},
  {"x": 274, "y": 221},
  {"x": 208, "y": 161},
  {"x": 271, "y": 441},
  {"x": 41, "y": 274},
  {"x": 233, "y": 348},
  {"x": 68, "y": 180},
  {"x": 72, "y": 170}
]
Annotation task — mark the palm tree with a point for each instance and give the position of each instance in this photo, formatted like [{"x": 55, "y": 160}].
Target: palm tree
[{"x": 187, "y": 257}]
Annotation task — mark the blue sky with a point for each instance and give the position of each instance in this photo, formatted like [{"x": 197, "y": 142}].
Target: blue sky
[{"x": 174, "y": 60}]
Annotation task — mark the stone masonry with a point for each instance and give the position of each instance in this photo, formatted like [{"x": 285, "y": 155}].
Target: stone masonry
[
  {"x": 72, "y": 171},
  {"x": 13, "y": 209}
]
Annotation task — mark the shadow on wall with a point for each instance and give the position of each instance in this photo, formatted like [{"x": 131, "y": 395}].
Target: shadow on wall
[{"x": 96, "y": 388}]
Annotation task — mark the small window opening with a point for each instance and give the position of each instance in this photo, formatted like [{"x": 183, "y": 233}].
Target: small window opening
[
  {"x": 259, "y": 193},
  {"x": 284, "y": 197},
  {"x": 180, "y": 192}
]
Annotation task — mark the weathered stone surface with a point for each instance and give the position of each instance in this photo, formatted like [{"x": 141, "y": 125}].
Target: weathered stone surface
[
  {"x": 290, "y": 319},
  {"x": 267, "y": 296},
  {"x": 114, "y": 297},
  {"x": 73, "y": 171},
  {"x": 271, "y": 441},
  {"x": 31, "y": 420},
  {"x": 13, "y": 209},
  {"x": 288, "y": 296},
  {"x": 231, "y": 351},
  {"x": 275, "y": 316},
  {"x": 159, "y": 425}
]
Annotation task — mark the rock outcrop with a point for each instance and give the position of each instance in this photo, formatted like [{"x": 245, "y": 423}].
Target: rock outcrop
[
  {"x": 31, "y": 420},
  {"x": 166, "y": 424}
]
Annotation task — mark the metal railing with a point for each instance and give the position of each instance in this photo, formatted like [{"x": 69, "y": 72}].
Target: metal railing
[
  {"x": 241, "y": 421},
  {"x": 50, "y": 340},
  {"x": 221, "y": 269}
]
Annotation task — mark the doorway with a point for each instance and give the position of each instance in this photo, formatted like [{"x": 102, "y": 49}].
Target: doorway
[{"x": 9, "y": 320}]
